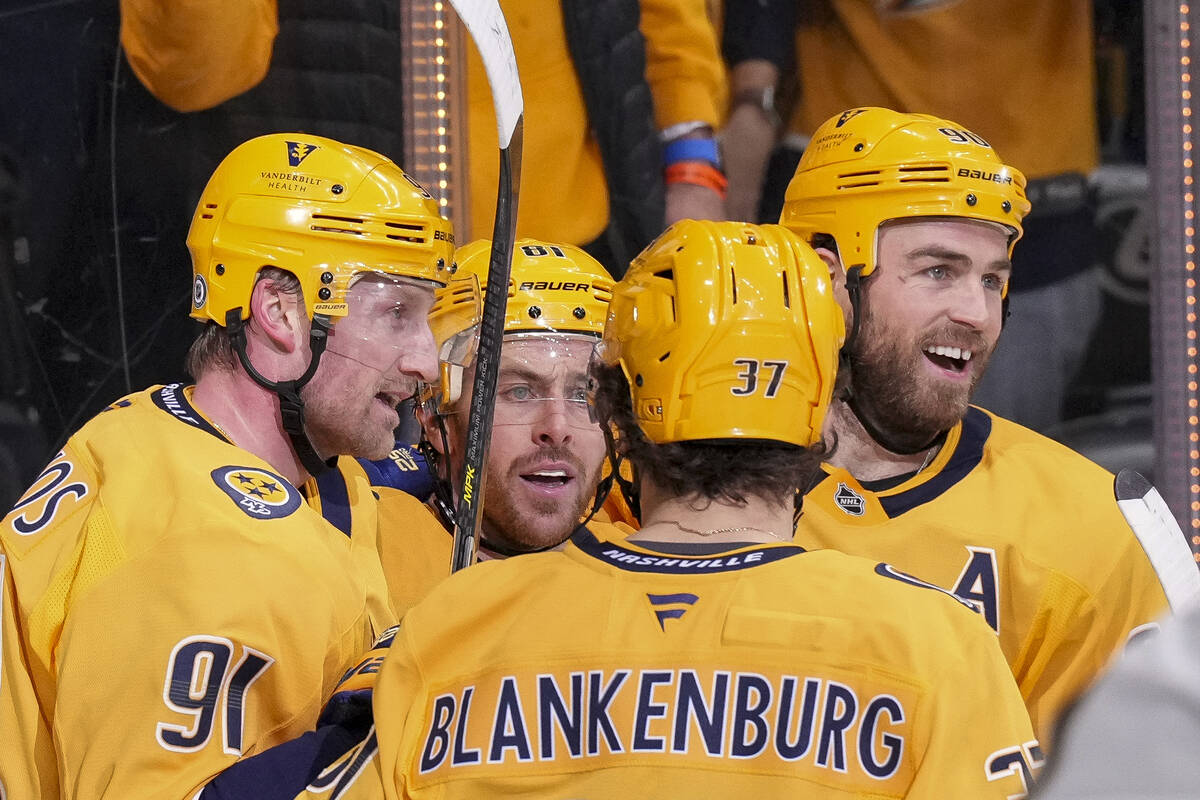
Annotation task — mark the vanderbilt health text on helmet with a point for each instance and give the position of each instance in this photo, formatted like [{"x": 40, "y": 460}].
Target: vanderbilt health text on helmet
[
  {"x": 726, "y": 330},
  {"x": 320, "y": 209},
  {"x": 553, "y": 289},
  {"x": 867, "y": 166}
]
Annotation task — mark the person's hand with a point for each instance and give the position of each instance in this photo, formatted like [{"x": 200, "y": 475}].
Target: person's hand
[
  {"x": 746, "y": 143},
  {"x": 749, "y": 135},
  {"x": 689, "y": 201}
]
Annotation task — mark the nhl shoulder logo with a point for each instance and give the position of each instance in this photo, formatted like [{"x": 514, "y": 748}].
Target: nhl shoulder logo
[
  {"x": 850, "y": 501},
  {"x": 258, "y": 493}
]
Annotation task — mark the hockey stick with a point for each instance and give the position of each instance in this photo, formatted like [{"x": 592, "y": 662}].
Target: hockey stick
[
  {"x": 1165, "y": 545},
  {"x": 487, "y": 27}
]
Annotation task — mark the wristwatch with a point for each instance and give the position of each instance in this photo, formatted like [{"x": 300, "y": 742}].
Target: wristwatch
[{"x": 763, "y": 99}]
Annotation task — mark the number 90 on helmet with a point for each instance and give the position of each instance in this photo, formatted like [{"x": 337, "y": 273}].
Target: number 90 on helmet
[
  {"x": 726, "y": 330},
  {"x": 867, "y": 166},
  {"x": 322, "y": 210}
]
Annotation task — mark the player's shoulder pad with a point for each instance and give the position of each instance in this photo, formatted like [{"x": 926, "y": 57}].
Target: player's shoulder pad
[{"x": 405, "y": 468}]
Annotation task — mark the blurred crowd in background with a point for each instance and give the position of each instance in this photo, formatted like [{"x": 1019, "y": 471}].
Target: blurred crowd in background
[{"x": 100, "y": 170}]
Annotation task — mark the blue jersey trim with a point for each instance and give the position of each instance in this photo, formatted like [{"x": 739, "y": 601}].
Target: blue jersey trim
[
  {"x": 642, "y": 561},
  {"x": 172, "y": 400},
  {"x": 335, "y": 500},
  {"x": 405, "y": 469},
  {"x": 976, "y": 427}
]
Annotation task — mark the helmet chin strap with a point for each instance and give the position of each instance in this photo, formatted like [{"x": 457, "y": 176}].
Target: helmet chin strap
[{"x": 291, "y": 406}]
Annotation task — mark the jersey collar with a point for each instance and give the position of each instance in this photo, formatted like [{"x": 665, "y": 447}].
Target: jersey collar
[{"x": 629, "y": 557}]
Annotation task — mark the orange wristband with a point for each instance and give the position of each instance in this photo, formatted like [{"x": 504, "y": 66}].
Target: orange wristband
[{"x": 698, "y": 173}]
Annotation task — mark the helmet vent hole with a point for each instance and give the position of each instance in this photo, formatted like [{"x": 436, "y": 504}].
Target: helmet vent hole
[
  {"x": 787, "y": 295},
  {"x": 416, "y": 233},
  {"x": 350, "y": 220},
  {"x": 664, "y": 356},
  {"x": 329, "y": 229},
  {"x": 206, "y": 216},
  {"x": 733, "y": 280}
]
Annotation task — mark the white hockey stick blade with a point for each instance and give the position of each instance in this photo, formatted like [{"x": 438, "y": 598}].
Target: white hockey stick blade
[
  {"x": 1163, "y": 541},
  {"x": 487, "y": 27}
]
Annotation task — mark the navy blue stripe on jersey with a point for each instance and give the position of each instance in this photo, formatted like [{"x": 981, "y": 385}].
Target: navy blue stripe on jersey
[
  {"x": 335, "y": 500},
  {"x": 976, "y": 427},
  {"x": 639, "y": 561},
  {"x": 172, "y": 400},
  {"x": 405, "y": 469},
  {"x": 283, "y": 771}
]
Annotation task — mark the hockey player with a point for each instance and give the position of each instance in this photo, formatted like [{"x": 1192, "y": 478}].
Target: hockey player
[
  {"x": 545, "y": 455},
  {"x": 919, "y": 216},
  {"x": 172, "y": 599},
  {"x": 707, "y": 655}
]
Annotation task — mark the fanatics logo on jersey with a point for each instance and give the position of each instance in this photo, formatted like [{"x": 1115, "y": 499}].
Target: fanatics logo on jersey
[
  {"x": 850, "y": 501},
  {"x": 260, "y": 494},
  {"x": 298, "y": 151},
  {"x": 670, "y": 606}
]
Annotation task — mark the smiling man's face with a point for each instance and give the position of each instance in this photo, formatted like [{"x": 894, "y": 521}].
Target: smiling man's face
[{"x": 932, "y": 313}]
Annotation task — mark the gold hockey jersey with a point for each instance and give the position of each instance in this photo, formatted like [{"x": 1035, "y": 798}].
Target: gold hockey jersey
[
  {"x": 1022, "y": 528},
  {"x": 170, "y": 604},
  {"x": 609, "y": 670}
]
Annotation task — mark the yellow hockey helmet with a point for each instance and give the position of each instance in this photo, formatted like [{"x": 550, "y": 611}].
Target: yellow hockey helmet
[
  {"x": 553, "y": 288},
  {"x": 867, "y": 166},
  {"x": 726, "y": 330},
  {"x": 319, "y": 209}
]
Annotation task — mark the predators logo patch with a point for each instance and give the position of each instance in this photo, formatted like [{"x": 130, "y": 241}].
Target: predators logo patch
[{"x": 260, "y": 494}]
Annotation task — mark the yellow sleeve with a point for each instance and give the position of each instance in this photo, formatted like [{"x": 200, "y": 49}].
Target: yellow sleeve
[
  {"x": 413, "y": 546},
  {"x": 979, "y": 742},
  {"x": 1075, "y": 636},
  {"x": 399, "y": 730},
  {"x": 683, "y": 62},
  {"x": 195, "y": 54}
]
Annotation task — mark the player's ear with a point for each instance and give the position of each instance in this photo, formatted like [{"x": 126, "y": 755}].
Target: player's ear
[
  {"x": 836, "y": 273},
  {"x": 278, "y": 315},
  {"x": 837, "y": 276}
]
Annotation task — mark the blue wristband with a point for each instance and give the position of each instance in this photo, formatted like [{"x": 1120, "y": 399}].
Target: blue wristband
[{"x": 692, "y": 150}]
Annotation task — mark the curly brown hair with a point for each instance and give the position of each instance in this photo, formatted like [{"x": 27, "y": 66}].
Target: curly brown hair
[{"x": 726, "y": 470}]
